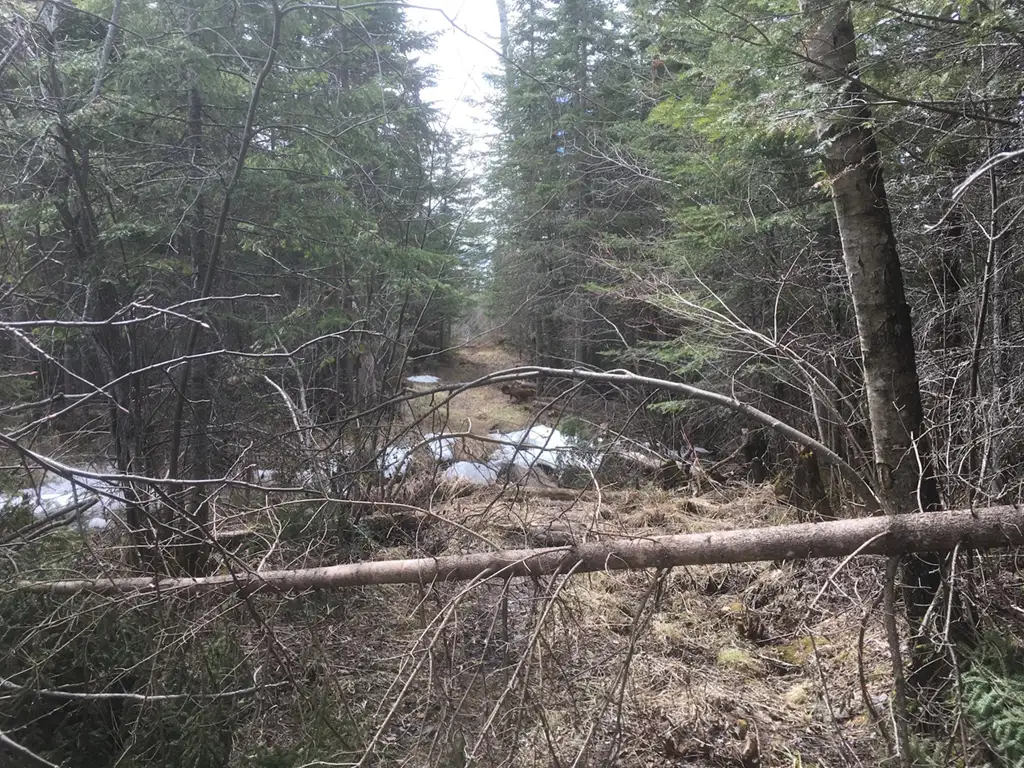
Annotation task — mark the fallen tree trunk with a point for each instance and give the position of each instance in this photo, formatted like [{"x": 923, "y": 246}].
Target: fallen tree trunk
[{"x": 893, "y": 535}]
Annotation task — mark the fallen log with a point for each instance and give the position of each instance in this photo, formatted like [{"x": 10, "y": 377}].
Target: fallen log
[{"x": 890, "y": 535}]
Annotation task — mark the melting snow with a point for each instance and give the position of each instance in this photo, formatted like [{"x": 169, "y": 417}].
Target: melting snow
[
  {"x": 265, "y": 476},
  {"x": 55, "y": 493},
  {"x": 472, "y": 471},
  {"x": 423, "y": 379},
  {"x": 442, "y": 448},
  {"x": 395, "y": 461},
  {"x": 540, "y": 445}
]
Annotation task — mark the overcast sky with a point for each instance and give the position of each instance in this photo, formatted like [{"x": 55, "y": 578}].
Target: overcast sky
[{"x": 460, "y": 60}]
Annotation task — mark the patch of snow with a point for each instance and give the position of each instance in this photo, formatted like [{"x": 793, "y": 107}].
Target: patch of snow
[
  {"x": 56, "y": 492},
  {"x": 472, "y": 471},
  {"x": 538, "y": 446},
  {"x": 97, "y": 523},
  {"x": 395, "y": 461},
  {"x": 541, "y": 446},
  {"x": 320, "y": 473},
  {"x": 442, "y": 448},
  {"x": 265, "y": 476},
  {"x": 423, "y": 378},
  {"x": 525, "y": 447}
]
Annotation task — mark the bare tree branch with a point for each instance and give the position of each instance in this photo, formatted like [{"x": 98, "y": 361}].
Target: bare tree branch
[
  {"x": 14, "y": 746},
  {"x": 108, "y": 44},
  {"x": 860, "y": 485},
  {"x": 10, "y": 685}
]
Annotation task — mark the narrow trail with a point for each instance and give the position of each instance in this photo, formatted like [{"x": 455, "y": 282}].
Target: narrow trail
[
  {"x": 531, "y": 507},
  {"x": 729, "y": 664},
  {"x": 488, "y": 407}
]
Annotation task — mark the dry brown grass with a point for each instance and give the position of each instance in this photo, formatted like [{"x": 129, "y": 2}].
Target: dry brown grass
[
  {"x": 701, "y": 666},
  {"x": 487, "y": 408},
  {"x": 726, "y": 665},
  {"x": 721, "y": 653}
]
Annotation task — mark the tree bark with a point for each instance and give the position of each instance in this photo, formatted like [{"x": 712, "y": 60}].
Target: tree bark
[
  {"x": 853, "y": 164},
  {"x": 886, "y": 535},
  {"x": 193, "y": 555},
  {"x": 902, "y": 455},
  {"x": 506, "y": 52},
  {"x": 108, "y": 45}
]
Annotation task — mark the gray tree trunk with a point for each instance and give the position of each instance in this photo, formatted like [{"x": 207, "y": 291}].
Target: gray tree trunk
[
  {"x": 852, "y": 162},
  {"x": 924, "y": 531},
  {"x": 900, "y": 447}
]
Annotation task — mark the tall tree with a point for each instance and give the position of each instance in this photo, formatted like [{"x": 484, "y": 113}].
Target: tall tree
[
  {"x": 853, "y": 164},
  {"x": 280, "y": 181},
  {"x": 567, "y": 201}
]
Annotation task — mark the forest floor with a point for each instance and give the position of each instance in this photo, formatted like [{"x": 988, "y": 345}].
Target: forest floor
[
  {"x": 746, "y": 665},
  {"x": 757, "y": 665}
]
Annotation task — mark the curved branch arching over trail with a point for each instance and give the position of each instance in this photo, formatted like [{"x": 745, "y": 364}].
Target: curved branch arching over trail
[{"x": 861, "y": 487}]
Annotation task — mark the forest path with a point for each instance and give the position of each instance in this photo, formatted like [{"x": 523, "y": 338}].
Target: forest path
[
  {"x": 712, "y": 649},
  {"x": 487, "y": 407}
]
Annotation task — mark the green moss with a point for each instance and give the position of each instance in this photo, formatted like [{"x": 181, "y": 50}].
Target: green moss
[{"x": 800, "y": 650}]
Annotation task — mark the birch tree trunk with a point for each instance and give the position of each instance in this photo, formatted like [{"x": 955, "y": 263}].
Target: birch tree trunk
[
  {"x": 852, "y": 162},
  {"x": 901, "y": 452}
]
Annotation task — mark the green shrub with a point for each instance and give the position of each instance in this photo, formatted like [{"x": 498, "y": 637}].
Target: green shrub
[
  {"x": 89, "y": 646},
  {"x": 994, "y": 698}
]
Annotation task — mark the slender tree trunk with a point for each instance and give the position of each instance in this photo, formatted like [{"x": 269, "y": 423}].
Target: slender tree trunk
[
  {"x": 854, "y": 168},
  {"x": 902, "y": 455},
  {"x": 117, "y": 361},
  {"x": 949, "y": 332},
  {"x": 108, "y": 45},
  {"x": 212, "y": 261},
  {"x": 191, "y": 551},
  {"x": 990, "y": 477},
  {"x": 503, "y": 25}
]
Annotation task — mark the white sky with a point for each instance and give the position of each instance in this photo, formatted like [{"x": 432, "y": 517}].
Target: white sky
[{"x": 460, "y": 60}]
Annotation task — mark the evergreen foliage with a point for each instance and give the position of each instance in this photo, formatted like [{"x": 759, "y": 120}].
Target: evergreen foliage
[
  {"x": 993, "y": 697},
  {"x": 97, "y": 649},
  {"x": 228, "y": 237},
  {"x": 340, "y": 236},
  {"x": 90, "y": 684}
]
